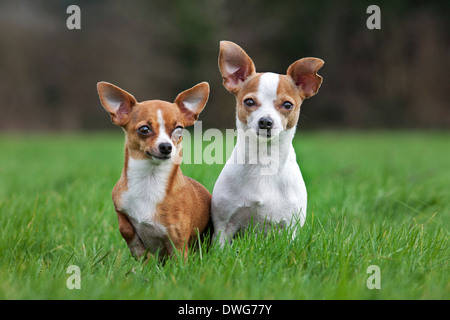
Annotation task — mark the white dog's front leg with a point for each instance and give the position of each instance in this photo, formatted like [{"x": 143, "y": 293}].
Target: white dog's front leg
[
  {"x": 220, "y": 237},
  {"x": 225, "y": 234},
  {"x": 224, "y": 228}
]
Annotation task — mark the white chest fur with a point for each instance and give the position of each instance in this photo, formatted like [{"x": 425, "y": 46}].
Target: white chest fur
[
  {"x": 242, "y": 193},
  {"x": 147, "y": 182}
]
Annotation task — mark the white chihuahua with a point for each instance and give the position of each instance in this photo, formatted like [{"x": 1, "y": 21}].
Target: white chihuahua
[{"x": 268, "y": 107}]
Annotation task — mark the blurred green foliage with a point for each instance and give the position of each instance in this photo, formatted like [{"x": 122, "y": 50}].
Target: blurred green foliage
[{"x": 396, "y": 77}]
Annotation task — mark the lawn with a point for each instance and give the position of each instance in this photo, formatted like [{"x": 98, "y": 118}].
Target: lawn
[{"x": 375, "y": 198}]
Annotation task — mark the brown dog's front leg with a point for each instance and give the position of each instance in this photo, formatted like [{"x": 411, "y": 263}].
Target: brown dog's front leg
[
  {"x": 175, "y": 247},
  {"x": 127, "y": 231}
]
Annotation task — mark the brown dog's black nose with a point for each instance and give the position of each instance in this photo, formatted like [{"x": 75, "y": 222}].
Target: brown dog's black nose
[
  {"x": 265, "y": 123},
  {"x": 165, "y": 148}
]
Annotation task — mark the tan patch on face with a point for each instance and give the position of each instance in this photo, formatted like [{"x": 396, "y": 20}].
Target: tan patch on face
[
  {"x": 146, "y": 113},
  {"x": 248, "y": 91},
  {"x": 288, "y": 91}
]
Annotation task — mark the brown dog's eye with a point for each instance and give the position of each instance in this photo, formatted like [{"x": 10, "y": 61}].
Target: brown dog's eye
[
  {"x": 287, "y": 105},
  {"x": 177, "y": 133},
  {"x": 144, "y": 130},
  {"x": 249, "y": 102}
]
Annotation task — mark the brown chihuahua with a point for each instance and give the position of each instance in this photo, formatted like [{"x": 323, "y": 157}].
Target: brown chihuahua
[{"x": 158, "y": 208}]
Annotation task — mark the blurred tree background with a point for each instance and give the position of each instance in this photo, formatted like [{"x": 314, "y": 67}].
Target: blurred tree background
[{"x": 396, "y": 77}]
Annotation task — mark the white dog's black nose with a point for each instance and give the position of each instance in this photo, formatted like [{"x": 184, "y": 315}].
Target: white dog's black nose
[
  {"x": 165, "y": 148},
  {"x": 265, "y": 123}
]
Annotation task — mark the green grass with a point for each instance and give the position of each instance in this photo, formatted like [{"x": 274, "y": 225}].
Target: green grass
[{"x": 374, "y": 199}]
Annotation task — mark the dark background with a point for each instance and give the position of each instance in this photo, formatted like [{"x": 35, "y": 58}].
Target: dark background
[{"x": 396, "y": 77}]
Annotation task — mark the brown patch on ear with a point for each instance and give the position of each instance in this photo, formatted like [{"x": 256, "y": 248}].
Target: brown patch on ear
[
  {"x": 116, "y": 101},
  {"x": 235, "y": 65},
  {"x": 304, "y": 74},
  {"x": 192, "y": 101}
]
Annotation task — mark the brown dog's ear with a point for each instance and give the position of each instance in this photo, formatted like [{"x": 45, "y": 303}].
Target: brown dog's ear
[
  {"x": 235, "y": 65},
  {"x": 304, "y": 74},
  {"x": 192, "y": 101},
  {"x": 116, "y": 101}
]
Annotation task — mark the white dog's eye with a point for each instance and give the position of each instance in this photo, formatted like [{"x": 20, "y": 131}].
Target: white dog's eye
[
  {"x": 287, "y": 105},
  {"x": 249, "y": 102},
  {"x": 177, "y": 133}
]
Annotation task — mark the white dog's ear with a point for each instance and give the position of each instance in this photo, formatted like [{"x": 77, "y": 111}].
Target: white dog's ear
[
  {"x": 235, "y": 65},
  {"x": 116, "y": 101},
  {"x": 192, "y": 101},
  {"x": 304, "y": 74}
]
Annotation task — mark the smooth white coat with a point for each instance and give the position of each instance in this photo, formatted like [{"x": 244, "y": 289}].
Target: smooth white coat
[
  {"x": 147, "y": 183},
  {"x": 246, "y": 191}
]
